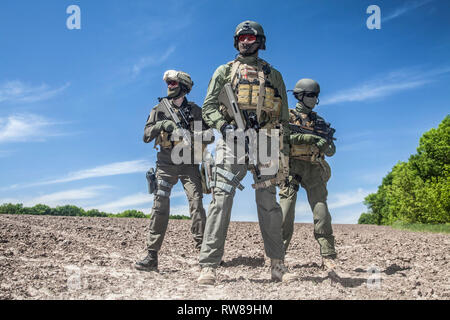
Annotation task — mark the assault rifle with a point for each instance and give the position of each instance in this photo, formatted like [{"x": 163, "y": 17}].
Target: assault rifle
[
  {"x": 321, "y": 129},
  {"x": 181, "y": 124},
  {"x": 228, "y": 99}
]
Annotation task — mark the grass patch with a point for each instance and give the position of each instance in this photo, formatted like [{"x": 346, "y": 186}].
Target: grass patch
[{"x": 419, "y": 227}]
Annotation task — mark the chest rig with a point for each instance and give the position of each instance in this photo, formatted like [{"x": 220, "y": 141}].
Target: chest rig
[
  {"x": 304, "y": 151},
  {"x": 255, "y": 93},
  {"x": 164, "y": 138}
]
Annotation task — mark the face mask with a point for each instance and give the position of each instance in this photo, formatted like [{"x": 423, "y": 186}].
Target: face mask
[
  {"x": 247, "y": 49},
  {"x": 173, "y": 92},
  {"x": 310, "y": 102}
]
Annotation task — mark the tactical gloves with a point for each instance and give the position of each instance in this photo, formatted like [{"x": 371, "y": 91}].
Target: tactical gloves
[
  {"x": 322, "y": 144},
  {"x": 304, "y": 139},
  {"x": 168, "y": 125}
]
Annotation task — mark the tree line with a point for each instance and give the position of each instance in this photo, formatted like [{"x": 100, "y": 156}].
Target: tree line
[
  {"x": 70, "y": 210},
  {"x": 416, "y": 191}
]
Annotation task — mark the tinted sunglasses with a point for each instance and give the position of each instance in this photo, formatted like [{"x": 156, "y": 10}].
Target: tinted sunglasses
[{"x": 248, "y": 37}]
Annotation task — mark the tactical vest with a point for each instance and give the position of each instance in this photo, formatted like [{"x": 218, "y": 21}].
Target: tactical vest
[
  {"x": 254, "y": 93},
  {"x": 305, "y": 152},
  {"x": 164, "y": 138}
]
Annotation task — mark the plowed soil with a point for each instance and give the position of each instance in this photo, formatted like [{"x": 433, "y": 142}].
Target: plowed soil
[{"x": 43, "y": 257}]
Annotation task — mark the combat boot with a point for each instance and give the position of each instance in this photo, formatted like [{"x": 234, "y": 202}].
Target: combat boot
[
  {"x": 329, "y": 263},
  {"x": 149, "y": 263},
  {"x": 280, "y": 272},
  {"x": 207, "y": 276}
]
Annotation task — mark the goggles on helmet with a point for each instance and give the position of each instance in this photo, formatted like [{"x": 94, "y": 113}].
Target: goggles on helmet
[
  {"x": 248, "y": 37},
  {"x": 172, "y": 83},
  {"x": 311, "y": 94}
]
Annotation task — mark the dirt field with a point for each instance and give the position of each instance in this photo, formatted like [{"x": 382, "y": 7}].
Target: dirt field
[{"x": 92, "y": 258}]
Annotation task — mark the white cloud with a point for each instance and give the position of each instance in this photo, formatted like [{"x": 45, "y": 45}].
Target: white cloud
[
  {"x": 404, "y": 9},
  {"x": 67, "y": 197},
  {"x": 112, "y": 169},
  {"x": 149, "y": 61},
  {"x": 60, "y": 198},
  {"x": 339, "y": 200},
  {"x": 17, "y": 91},
  {"x": 386, "y": 85},
  {"x": 131, "y": 201},
  {"x": 371, "y": 90},
  {"x": 25, "y": 127}
]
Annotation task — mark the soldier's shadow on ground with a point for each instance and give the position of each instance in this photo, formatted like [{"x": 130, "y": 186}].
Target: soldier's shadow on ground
[
  {"x": 334, "y": 277},
  {"x": 306, "y": 265},
  {"x": 243, "y": 261},
  {"x": 392, "y": 269}
]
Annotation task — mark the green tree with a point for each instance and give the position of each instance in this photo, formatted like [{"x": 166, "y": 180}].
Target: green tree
[
  {"x": 9, "y": 208},
  {"x": 179, "y": 217},
  {"x": 41, "y": 209},
  {"x": 131, "y": 214},
  {"x": 68, "y": 210},
  {"x": 95, "y": 213},
  {"x": 433, "y": 154},
  {"x": 367, "y": 218},
  {"x": 417, "y": 191}
]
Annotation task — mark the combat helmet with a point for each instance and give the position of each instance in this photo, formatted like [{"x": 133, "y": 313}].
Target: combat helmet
[
  {"x": 305, "y": 86},
  {"x": 181, "y": 77},
  {"x": 250, "y": 27}
]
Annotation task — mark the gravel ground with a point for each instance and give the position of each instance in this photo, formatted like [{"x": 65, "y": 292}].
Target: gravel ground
[{"x": 44, "y": 257}]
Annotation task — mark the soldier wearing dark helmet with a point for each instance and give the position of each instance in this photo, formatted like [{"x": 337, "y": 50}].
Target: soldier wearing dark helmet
[
  {"x": 309, "y": 169},
  {"x": 260, "y": 91}
]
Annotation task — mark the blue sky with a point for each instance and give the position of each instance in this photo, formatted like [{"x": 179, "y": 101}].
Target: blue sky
[{"x": 73, "y": 103}]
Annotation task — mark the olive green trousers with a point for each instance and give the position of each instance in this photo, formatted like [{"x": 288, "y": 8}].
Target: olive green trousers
[
  {"x": 313, "y": 178},
  {"x": 167, "y": 176}
]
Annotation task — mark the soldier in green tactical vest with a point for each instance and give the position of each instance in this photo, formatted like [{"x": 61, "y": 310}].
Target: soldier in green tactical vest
[
  {"x": 260, "y": 95},
  {"x": 308, "y": 168},
  {"x": 161, "y": 128}
]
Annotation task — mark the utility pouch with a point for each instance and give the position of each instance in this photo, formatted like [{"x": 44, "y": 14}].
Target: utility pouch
[
  {"x": 151, "y": 181},
  {"x": 163, "y": 139},
  {"x": 244, "y": 92},
  {"x": 269, "y": 96},
  {"x": 255, "y": 92}
]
